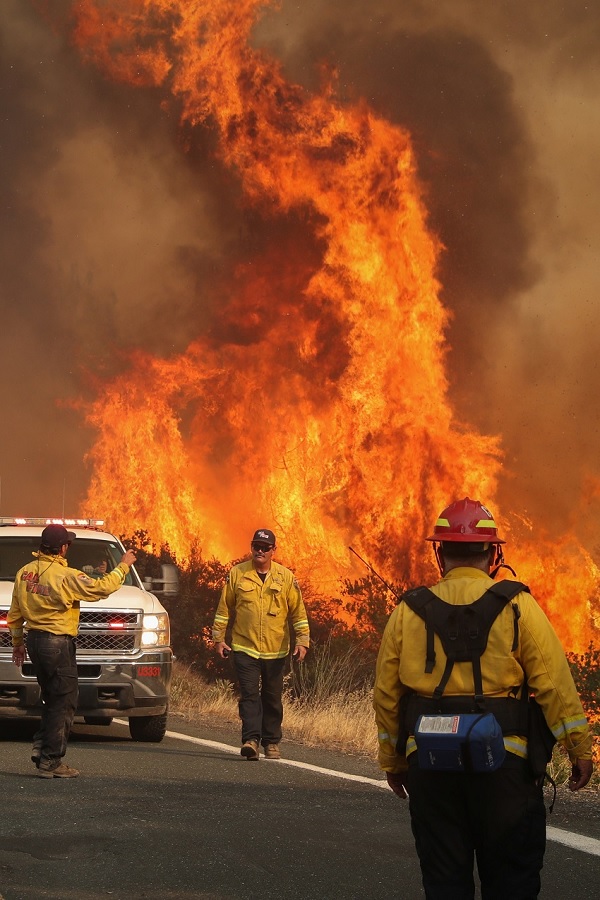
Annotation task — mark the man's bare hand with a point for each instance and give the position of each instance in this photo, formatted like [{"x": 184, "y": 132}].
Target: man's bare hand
[
  {"x": 300, "y": 653},
  {"x": 397, "y": 782},
  {"x": 580, "y": 774},
  {"x": 129, "y": 558},
  {"x": 222, "y": 649},
  {"x": 19, "y": 655}
]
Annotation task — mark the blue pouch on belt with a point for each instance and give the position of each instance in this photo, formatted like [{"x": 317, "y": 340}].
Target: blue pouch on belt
[{"x": 467, "y": 742}]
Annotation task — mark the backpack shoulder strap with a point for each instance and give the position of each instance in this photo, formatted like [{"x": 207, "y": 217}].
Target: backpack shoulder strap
[
  {"x": 420, "y": 600},
  {"x": 508, "y": 589},
  {"x": 417, "y": 598}
]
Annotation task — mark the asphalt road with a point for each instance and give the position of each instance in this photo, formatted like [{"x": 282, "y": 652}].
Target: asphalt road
[{"x": 185, "y": 819}]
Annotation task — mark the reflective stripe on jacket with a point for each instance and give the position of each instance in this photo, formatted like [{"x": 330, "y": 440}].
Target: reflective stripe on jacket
[
  {"x": 539, "y": 655},
  {"x": 47, "y": 592},
  {"x": 261, "y": 611}
]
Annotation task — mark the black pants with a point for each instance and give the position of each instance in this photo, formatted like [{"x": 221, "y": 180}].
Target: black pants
[
  {"x": 261, "y": 708},
  {"x": 498, "y": 817},
  {"x": 55, "y": 667}
]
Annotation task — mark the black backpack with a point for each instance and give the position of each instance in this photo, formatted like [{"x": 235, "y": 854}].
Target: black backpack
[{"x": 463, "y": 630}]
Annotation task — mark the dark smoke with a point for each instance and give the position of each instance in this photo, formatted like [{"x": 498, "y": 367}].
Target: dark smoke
[
  {"x": 112, "y": 237},
  {"x": 118, "y": 234}
]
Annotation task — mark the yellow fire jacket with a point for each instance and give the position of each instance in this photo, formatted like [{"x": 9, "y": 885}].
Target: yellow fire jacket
[
  {"x": 47, "y": 592},
  {"x": 539, "y": 656},
  {"x": 261, "y": 611}
]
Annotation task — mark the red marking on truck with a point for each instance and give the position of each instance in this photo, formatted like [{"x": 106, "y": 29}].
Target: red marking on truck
[{"x": 148, "y": 671}]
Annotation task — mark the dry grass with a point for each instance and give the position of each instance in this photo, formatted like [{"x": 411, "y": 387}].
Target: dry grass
[
  {"x": 194, "y": 698},
  {"x": 340, "y": 721},
  {"x": 323, "y": 707},
  {"x": 343, "y": 722}
]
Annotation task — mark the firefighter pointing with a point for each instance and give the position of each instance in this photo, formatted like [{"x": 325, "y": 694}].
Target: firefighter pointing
[
  {"x": 46, "y": 598},
  {"x": 472, "y": 690}
]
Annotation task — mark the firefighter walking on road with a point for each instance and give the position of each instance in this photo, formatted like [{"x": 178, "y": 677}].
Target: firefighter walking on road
[
  {"x": 261, "y": 597},
  {"x": 459, "y": 731}
]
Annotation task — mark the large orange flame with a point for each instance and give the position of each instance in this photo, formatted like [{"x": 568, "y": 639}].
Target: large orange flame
[{"x": 326, "y": 419}]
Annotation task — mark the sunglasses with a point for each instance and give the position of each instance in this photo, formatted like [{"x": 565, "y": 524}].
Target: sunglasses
[{"x": 266, "y": 548}]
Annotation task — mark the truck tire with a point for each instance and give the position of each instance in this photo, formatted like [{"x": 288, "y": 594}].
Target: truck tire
[
  {"x": 97, "y": 720},
  {"x": 149, "y": 729}
]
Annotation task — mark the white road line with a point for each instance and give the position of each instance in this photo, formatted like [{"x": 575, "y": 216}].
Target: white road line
[
  {"x": 286, "y": 762},
  {"x": 576, "y": 841},
  {"x": 568, "y": 838},
  {"x": 227, "y": 748}
]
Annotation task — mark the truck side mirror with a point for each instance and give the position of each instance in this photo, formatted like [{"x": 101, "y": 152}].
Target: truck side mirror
[
  {"x": 167, "y": 584},
  {"x": 170, "y": 579}
]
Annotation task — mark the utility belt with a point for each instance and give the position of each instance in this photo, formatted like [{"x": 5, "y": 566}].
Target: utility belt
[
  {"x": 461, "y": 734},
  {"x": 511, "y": 714}
]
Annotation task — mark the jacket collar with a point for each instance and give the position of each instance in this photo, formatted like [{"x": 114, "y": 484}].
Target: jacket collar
[
  {"x": 274, "y": 572},
  {"x": 465, "y": 572},
  {"x": 49, "y": 557}
]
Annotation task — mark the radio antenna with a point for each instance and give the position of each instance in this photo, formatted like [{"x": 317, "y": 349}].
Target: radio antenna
[{"x": 377, "y": 575}]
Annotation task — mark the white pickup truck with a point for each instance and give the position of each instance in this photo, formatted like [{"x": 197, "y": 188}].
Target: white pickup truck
[{"x": 124, "y": 658}]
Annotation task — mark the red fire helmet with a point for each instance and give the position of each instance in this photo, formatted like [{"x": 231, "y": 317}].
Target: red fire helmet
[{"x": 466, "y": 521}]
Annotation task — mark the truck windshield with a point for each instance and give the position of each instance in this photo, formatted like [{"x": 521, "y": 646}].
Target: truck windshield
[{"x": 89, "y": 555}]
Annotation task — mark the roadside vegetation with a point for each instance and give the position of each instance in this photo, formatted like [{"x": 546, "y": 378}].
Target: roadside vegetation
[
  {"x": 328, "y": 699},
  {"x": 320, "y": 710}
]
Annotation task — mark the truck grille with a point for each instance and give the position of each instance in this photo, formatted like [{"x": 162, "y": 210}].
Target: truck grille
[
  {"x": 102, "y": 631},
  {"x": 109, "y": 630},
  {"x": 118, "y": 643}
]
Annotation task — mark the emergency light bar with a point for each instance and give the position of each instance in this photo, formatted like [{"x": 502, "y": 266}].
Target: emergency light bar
[{"x": 78, "y": 523}]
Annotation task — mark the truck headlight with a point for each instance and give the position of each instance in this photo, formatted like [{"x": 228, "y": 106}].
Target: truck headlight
[{"x": 156, "y": 630}]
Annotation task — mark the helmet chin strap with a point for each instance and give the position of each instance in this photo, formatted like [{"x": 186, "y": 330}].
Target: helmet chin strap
[
  {"x": 499, "y": 563},
  {"x": 437, "y": 549}
]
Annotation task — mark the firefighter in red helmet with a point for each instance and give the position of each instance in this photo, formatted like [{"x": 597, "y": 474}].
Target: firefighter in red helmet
[
  {"x": 472, "y": 690},
  {"x": 466, "y": 522}
]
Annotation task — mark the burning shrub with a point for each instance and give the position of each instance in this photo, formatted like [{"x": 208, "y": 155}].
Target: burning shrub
[{"x": 586, "y": 673}]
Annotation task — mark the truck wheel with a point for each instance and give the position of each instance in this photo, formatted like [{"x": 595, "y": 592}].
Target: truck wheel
[
  {"x": 97, "y": 720},
  {"x": 150, "y": 729}
]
